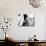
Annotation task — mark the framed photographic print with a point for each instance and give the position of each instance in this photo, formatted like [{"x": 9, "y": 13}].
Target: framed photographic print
[{"x": 26, "y": 20}]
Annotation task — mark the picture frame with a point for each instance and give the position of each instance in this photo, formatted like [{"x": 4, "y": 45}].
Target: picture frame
[{"x": 26, "y": 20}]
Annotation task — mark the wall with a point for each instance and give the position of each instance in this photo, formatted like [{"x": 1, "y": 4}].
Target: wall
[{"x": 11, "y": 8}]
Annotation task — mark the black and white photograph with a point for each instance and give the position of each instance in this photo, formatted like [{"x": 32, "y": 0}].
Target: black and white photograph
[{"x": 26, "y": 20}]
